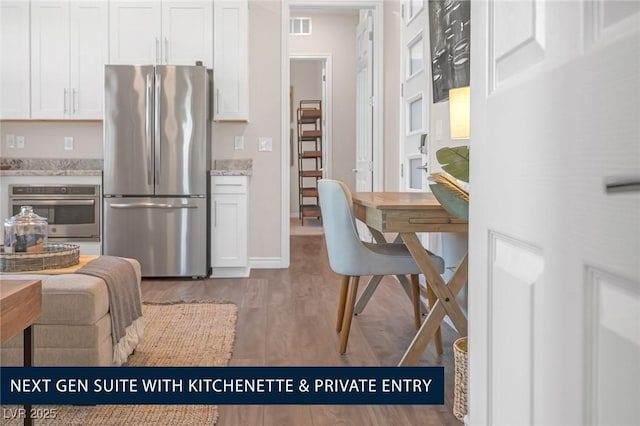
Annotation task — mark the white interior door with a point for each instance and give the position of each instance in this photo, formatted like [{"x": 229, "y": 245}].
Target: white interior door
[
  {"x": 415, "y": 96},
  {"x": 364, "y": 104},
  {"x": 554, "y": 285}
]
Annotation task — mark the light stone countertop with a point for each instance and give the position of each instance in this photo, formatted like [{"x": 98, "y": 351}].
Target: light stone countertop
[
  {"x": 50, "y": 167},
  {"x": 238, "y": 167}
]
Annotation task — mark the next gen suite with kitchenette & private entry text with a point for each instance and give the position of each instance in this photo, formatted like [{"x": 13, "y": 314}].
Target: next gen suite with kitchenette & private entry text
[{"x": 156, "y": 156}]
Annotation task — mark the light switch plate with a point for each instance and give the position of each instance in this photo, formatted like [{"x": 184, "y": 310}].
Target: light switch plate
[
  {"x": 11, "y": 141},
  {"x": 20, "y": 142},
  {"x": 265, "y": 144}
]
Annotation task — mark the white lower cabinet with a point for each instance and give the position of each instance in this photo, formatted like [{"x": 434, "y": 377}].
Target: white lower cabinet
[{"x": 229, "y": 226}]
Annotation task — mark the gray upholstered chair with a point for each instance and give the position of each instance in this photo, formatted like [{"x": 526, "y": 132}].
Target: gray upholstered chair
[{"x": 353, "y": 258}]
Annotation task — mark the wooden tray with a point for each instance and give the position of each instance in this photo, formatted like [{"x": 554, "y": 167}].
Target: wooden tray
[{"x": 54, "y": 256}]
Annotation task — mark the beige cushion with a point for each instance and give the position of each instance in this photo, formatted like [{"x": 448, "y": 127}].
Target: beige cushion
[
  {"x": 66, "y": 336},
  {"x": 75, "y": 325},
  {"x": 100, "y": 355},
  {"x": 71, "y": 298}
]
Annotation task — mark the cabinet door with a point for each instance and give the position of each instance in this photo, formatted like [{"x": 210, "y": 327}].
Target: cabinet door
[
  {"x": 88, "y": 49},
  {"x": 14, "y": 64},
  {"x": 187, "y": 32},
  {"x": 231, "y": 60},
  {"x": 229, "y": 230},
  {"x": 50, "y": 94},
  {"x": 134, "y": 32}
]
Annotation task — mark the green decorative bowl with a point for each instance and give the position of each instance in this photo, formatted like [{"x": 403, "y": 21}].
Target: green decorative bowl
[{"x": 451, "y": 200}]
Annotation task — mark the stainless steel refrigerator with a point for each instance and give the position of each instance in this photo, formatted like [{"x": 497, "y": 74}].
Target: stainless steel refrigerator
[{"x": 156, "y": 158}]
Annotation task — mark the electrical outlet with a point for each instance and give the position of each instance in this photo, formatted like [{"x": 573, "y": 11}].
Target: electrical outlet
[
  {"x": 19, "y": 142},
  {"x": 68, "y": 143},
  {"x": 239, "y": 143},
  {"x": 265, "y": 144},
  {"x": 11, "y": 141}
]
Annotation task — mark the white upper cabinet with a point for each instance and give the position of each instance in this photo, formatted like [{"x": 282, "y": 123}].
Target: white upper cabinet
[
  {"x": 187, "y": 32},
  {"x": 231, "y": 60},
  {"x": 14, "y": 59},
  {"x": 134, "y": 32},
  {"x": 168, "y": 32},
  {"x": 68, "y": 53}
]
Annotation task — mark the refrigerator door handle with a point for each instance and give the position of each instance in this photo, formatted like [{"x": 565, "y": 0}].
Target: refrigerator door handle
[
  {"x": 157, "y": 142},
  {"x": 152, "y": 206},
  {"x": 149, "y": 97}
]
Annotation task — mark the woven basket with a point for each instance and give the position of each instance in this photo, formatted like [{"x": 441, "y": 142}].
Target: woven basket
[
  {"x": 54, "y": 256},
  {"x": 461, "y": 360}
]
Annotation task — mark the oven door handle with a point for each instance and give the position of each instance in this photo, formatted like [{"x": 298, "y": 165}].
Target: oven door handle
[
  {"x": 152, "y": 206},
  {"x": 50, "y": 202}
]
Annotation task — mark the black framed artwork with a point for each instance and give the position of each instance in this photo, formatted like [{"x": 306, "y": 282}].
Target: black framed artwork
[{"x": 449, "y": 31}]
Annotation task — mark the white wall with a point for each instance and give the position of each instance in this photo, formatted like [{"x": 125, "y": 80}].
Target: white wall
[
  {"x": 306, "y": 81},
  {"x": 392, "y": 20},
  {"x": 335, "y": 34}
]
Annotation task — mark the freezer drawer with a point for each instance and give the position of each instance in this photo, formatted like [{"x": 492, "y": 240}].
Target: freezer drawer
[{"x": 168, "y": 236}]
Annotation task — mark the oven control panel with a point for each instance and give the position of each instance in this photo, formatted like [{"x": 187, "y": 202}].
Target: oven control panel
[{"x": 54, "y": 190}]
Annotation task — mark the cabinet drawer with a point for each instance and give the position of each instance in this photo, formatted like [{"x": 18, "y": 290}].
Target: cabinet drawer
[{"x": 229, "y": 185}]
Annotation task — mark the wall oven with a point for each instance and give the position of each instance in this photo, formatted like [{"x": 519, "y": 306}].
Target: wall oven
[{"x": 72, "y": 211}]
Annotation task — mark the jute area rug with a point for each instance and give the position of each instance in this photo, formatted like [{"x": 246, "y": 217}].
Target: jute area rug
[{"x": 180, "y": 334}]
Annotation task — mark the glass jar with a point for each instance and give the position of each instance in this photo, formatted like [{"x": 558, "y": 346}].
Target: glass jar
[{"x": 25, "y": 232}]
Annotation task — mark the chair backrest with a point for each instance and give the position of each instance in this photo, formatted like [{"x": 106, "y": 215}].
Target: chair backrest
[{"x": 343, "y": 242}]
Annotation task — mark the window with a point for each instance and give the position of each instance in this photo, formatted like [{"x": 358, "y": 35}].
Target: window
[
  {"x": 300, "y": 26},
  {"x": 415, "y": 6},
  {"x": 416, "y": 56},
  {"x": 415, "y": 115},
  {"x": 415, "y": 173}
]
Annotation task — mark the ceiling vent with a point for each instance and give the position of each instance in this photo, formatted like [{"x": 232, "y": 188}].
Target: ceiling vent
[{"x": 300, "y": 26}]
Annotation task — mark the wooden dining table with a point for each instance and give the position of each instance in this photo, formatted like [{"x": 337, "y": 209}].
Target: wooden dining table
[{"x": 409, "y": 213}]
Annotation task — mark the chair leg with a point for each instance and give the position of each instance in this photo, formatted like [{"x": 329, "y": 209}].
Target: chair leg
[
  {"x": 344, "y": 286},
  {"x": 415, "y": 298},
  {"x": 431, "y": 296},
  {"x": 348, "y": 315}
]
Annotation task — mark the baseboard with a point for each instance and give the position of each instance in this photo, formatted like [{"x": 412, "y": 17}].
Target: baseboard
[
  {"x": 231, "y": 272},
  {"x": 267, "y": 263}
]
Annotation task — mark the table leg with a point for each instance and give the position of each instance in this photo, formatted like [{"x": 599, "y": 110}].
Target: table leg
[
  {"x": 27, "y": 361},
  {"x": 435, "y": 317},
  {"x": 444, "y": 293}
]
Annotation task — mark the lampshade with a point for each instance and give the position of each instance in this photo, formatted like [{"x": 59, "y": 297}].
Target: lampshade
[{"x": 459, "y": 112}]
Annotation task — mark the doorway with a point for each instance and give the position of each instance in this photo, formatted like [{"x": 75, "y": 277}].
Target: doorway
[
  {"x": 310, "y": 87},
  {"x": 341, "y": 166}
]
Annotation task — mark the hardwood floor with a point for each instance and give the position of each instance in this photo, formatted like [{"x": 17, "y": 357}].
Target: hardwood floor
[{"x": 287, "y": 318}]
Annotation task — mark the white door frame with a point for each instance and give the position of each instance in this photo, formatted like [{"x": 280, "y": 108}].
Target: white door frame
[
  {"x": 327, "y": 108},
  {"x": 376, "y": 7}
]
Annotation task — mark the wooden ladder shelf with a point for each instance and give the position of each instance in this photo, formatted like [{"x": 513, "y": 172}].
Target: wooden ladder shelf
[{"x": 309, "y": 158}]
